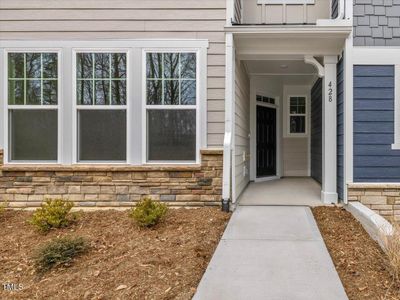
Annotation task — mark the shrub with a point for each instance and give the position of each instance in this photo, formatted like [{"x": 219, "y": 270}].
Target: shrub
[
  {"x": 392, "y": 250},
  {"x": 148, "y": 213},
  {"x": 59, "y": 252},
  {"x": 52, "y": 214}
]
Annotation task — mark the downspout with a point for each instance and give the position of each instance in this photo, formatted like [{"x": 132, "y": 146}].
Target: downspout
[{"x": 227, "y": 160}]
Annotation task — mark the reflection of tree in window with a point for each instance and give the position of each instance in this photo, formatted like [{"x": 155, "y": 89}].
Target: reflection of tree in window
[
  {"x": 33, "y": 80},
  {"x": 102, "y": 82},
  {"x": 171, "y": 80},
  {"x": 172, "y": 134},
  {"x": 101, "y": 78},
  {"x": 297, "y": 113}
]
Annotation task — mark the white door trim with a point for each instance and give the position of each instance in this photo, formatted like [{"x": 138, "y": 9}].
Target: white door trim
[{"x": 253, "y": 136}]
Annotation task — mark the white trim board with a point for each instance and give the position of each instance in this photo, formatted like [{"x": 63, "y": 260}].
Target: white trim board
[
  {"x": 253, "y": 129},
  {"x": 112, "y": 44},
  {"x": 348, "y": 116},
  {"x": 384, "y": 56}
]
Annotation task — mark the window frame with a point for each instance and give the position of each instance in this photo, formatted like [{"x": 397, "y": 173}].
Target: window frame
[
  {"x": 146, "y": 107},
  {"x": 67, "y": 149},
  {"x": 305, "y": 115},
  {"x": 76, "y": 107},
  {"x": 389, "y": 56},
  {"x": 7, "y": 107}
]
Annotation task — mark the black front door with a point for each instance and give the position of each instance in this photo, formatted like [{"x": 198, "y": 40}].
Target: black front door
[{"x": 266, "y": 141}]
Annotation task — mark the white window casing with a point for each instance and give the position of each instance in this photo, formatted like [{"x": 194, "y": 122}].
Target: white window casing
[
  {"x": 109, "y": 107},
  {"x": 135, "y": 86},
  {"x": 147, "y": 107},
  {"x": 7, "y": 108},
  {"x": 384, "y": 56},
  {"x": 303, "y": 115}
]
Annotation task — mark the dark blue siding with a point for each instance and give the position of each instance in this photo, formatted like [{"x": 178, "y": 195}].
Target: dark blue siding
[
  {"x": 340, "y": 128},
  {"x": 374, "y": 160},
  {"x": 316, "y": 131}
]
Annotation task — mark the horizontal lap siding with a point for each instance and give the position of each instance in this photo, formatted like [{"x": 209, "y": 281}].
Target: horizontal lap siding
[
  {"x": 340, "y": 129},
  {"x": 316, "y": 131},
  {"x": 129, "y": 19},
  {"x": 242, "y": 128},
  {"x": 374, "y": 160}
]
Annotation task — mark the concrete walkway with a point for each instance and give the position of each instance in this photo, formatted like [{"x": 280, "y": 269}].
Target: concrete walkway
[
  {"x": 273, "y": 253},
  {"x": 281, "y": 192}
]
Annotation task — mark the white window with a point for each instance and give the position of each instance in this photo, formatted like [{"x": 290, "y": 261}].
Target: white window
[
  {"x": 32, "y": 106},
  {"x": 297, "y": 115},
  {"x": 101, "y": 105},
  {"x": 171, "y": 104},
  {"x": 116, "y": 101}
]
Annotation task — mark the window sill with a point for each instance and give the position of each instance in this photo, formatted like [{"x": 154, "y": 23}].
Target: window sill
[{"x": 97, "y": 168}]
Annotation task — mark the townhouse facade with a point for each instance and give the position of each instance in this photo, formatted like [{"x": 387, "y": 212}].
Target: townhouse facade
[{"x": 106, "y": 102}]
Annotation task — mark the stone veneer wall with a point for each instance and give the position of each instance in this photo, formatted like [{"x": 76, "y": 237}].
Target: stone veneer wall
[
  {"x": 384, "y": 198},
  {"x": 114, "y": 186}
]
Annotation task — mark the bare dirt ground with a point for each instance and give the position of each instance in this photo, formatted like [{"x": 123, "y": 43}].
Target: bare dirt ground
[
  {"x": 359, "y": 260},
  {"x": 124, "y": 261}
]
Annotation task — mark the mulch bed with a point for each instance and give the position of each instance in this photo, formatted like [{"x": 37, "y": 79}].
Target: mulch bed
[
  {"x": 359, "y": 260},
  {"x": 124, "y": 261}
]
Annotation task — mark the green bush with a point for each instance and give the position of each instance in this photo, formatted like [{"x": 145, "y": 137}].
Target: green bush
[
  {"x": 52, "y": 214},
  {"x": 148, "y": 213},
  {"x": 59, "y": 252}
]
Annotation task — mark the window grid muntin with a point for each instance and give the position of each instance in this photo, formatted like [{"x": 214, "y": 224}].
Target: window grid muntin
[
  {"x": 25, "y": 79},
  {"x": 15, "y": 107},
  {"x": 163, "y": 106},
  {"x": 303, "y": 115},
  {"x": 94, "y": 79},
  {"x": 297, "y": 106},
  {"x": 62, "y": 48},
  {"x": 93, "y": 106},
  {"x": 163, "y": 79}
]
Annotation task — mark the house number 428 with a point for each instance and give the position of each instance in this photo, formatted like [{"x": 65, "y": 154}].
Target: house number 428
[{"x": 330, "y": 92}]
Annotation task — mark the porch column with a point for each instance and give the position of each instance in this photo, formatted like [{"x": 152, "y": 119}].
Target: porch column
[{"x": 329, "y": 132}]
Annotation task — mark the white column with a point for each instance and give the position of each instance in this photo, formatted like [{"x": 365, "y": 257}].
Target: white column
[
  {"x": 329, "y": 132},
  {"x": 229, "y": 102}
]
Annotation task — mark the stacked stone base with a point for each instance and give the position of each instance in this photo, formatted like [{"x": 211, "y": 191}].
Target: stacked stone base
[
  {"x": 114, "y": 186},
  {"x": 383, "y": 198}
]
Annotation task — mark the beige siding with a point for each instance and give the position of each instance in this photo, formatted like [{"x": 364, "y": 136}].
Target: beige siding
[
  {"x": 254, "y": 13},
  {"x": 295, "y": 157},
  {"x": 242, "y": 128},
  {"x": 295, "y": 150},
  {"x": 129, "y": 19}
]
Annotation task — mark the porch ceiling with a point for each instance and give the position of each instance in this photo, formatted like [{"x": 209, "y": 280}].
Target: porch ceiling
[
  {"x": 280, "y": 67},
  {"x": 304, "y": 40}
]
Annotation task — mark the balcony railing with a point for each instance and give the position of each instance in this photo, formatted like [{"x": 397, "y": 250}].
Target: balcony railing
[{"x": 275, "y": 12}]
